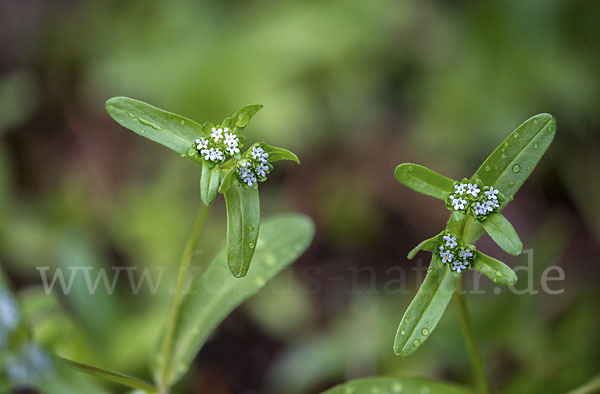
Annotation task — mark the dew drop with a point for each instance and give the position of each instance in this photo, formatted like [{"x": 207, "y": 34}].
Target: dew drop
[
  {"x": 425, "y": 331},
  {"x": 182, "y": 154},
  {"x": 182, "y": 122},
  {"x": 251, "y": 245},
  {"x": 488, "y": 168},
  {"x": 498, "y": 273},
  {"x": 142, "y": 131},
  {"x": 516, "y": 168},
  {"x": 402, "y": 332},
  {"x": 535, "y": 121},
  {"x": 528, "y": 168},
  {"x": 411, "y": 168},
  {"x": 536, "y": 145},
  {"x": 260, "y": 281},
  {"x": 191, "y": 152},
  {"x": 506, "y": 144},
  {"x": 516, "y": 134},
  {"x": 250, "y": 228},
  {"x": 417, "y": 343},
  {"x": 504, "y": 156},
  {"x": 511, "y": 184}
]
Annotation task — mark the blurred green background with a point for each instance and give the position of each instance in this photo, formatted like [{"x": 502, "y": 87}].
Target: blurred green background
[{"x": 354, "y": 88}]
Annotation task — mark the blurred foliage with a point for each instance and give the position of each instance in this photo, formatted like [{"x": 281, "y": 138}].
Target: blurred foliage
[{"x": 354, "y": 87}]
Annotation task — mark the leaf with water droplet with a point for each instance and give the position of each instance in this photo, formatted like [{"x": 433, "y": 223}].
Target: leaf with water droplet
[
  {"x": 276, "y": 154},
  {"x": 243, "y": 212},
  {"x": 423, "y": 180},
  {"x": 386, "y": 385},
  {"x": 508, "y": 172},
  {"x": 503, "y": 233},
  {"x": 494, "y": 269},
  {"x": 166, "y": 128},
  {"x": 209, "y": 183},
  {"x": 216, "y": 293},
  {"x": 429, "y": 305}
]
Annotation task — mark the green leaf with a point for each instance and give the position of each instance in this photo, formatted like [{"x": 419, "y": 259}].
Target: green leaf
[
  {"x": 385, "y": 385},
  {"x": 241, "y": 118},
  {"x": 166, "y": 128},
  {"x": 494, "y": 269},
  {"x": 503, "y": 233},
  {"x": 216, "y": 293},
  {"x": 423, "y": 180},
  {"x": 109, "y": 375},
  {"x": 429, "y": 245},
  {"x": 243, "y": 215},
  {"x": 426, "y": 308},
  {"x": 227, "y": 181},
  {"x": 513, "y": 161},
  {"x": 209, "y": 183},
  {"x": 276, "y": 153}
]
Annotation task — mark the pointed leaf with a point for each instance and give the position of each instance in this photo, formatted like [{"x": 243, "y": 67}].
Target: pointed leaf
[
  {"x": 209, "y": 183},
  {"x": 276, "y": 153},
  {"x": 513, "y": 161},
  {"x": 243, "y": 215},
  {"x": 426, "y": 308},
  {"x": 385, "y": 385},
  {"x": 216, "y": 293},
  {"x": 241, "y": 118},
  {"x": 166, "y": 128},
  {"x": 423, "y": 180},
  {"x": 429, "y": 245},
  {"x": 503, "y": 233},
  {"x": 494, "y": 269}
]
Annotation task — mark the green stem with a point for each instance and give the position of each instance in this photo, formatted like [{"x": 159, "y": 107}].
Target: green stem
[
  {"x": 590, "y": 387},
  {"x": 469, "y": 335},
  {"x": 186, "y": 259}
]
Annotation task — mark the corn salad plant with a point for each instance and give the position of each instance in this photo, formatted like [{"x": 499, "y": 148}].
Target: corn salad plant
[
  {"x": 475, "y": 205},
  {"x": 229, "y": 168}
]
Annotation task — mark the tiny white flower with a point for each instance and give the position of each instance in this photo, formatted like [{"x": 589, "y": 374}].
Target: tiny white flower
[
  {"x": 491, "y": 204},
  {"x": 261, "y": 170},
  {"x": 232, "y": 150},
  {"x": 459, "y": 203},
  {"x": 231, "y": 140},
  {"x": 459, "y": 266},
  {"x": 466, "y": 254},
  {"x": 473, "y": 189},
  {"x": 492, "y": 193},
  {"x": 202, "y": 143},
  {"x": 460, "y": 188},
  {"x": 259, "y": 154},
  {"x": 216, "y": 134},
  {"x": 450, "y": 241},
  {"x": 446, "y": 255}
]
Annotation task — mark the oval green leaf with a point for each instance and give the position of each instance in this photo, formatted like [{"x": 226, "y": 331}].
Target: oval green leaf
[
  {"x": 241, "y": 118},
  {"x": 209, "y": 183},
  {"x": 171, "y": 130},
  {"x": 513, "y": 161},
  {"x": 426, "y": 308},
  {"x": 215, "y": 294},
  {"x": 429, "y": 245},
  {"x": 385, "y": 385},
  {"x": 494, "y": 269},
  {"x": 243, "y": 220},
  {"x": 423, "y": 180},
  {"x": 276, "y": 153},
  {"x": 227, "y": 181},
  {"x": 503, "y": 233}
]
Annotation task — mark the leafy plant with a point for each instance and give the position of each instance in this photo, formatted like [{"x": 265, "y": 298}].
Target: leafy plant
[
  {"x": 475, "y": 206},
  {"x": 228, "y": 280}
]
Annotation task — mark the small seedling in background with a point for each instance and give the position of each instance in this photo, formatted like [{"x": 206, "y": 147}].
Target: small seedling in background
[{"x": 475, "y": 206}]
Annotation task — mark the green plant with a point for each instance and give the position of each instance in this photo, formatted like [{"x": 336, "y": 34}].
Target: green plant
[
  {"x": 475, "y": 204},
  {"x": 270, "y": 246}
]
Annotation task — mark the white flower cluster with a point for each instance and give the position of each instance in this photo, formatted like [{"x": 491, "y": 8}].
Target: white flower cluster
[
  {"x": 482, "y": 201},
  {"x": 255, "y": 167},
  {"x": 222, "y": 142},
  {"x": 460, "y": 257}
]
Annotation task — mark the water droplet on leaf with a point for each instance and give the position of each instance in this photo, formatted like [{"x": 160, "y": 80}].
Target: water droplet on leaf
[
  {"x": 487, "y": 168},
  {"x": 536, "y": 145},
  {"x": 516, "y": 168},
  {"x": 260, "y": 281},
  {"x": 182, "y": 122},
  {"x": 402, "y": 332},
  {"x": 417, "y": 343},
  {"x": 251, "y": 245},
  {"x": 425, "y": 331}
]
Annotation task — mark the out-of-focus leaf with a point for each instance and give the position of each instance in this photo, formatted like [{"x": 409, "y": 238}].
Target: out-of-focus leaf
[
  {"x": 276, "y": 153},
  {"x": 428, "y": 245},
  {"x": 243, "y": 221},
  {"x": 423, "y": 180},
  {"x": 109, "y": 375},
  {"x": 384, "y": 385},
  {"x": 216, "y": 293},
  {"x": 494, "y": 269},
  {"x": 209, "y": 183},
  {"x": 426, "y": 308},
  {"x": 166, "y": 128},
  {"x": 513, "y": 161},
  {"x": 503, "y": 233}
]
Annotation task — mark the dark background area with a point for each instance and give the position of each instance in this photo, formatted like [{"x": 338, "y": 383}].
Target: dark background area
[{"x": 354, "y": 88}]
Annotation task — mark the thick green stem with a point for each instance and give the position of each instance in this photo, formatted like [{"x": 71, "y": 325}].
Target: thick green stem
[
  {"x": 184, "y": 265},
  {"x": 467, "y": 329}
]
